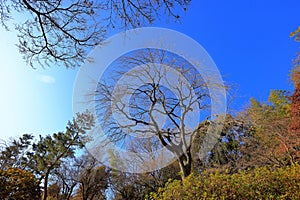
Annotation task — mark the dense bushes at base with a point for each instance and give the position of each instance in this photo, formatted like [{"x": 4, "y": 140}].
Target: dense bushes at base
[{"x": 261, "y": 183}]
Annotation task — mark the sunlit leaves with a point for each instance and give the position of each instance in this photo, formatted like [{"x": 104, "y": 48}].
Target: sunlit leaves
[
  {"x": 18, "y": 184},
  {"x": 261, "y": 183}
]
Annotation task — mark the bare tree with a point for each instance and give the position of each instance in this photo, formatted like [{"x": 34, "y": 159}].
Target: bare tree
[
  {"x": 81, "y": 177},
  {"x": 126, "y": 185},
  {"x": 63, "y": 31},
  {"x": 158, "y": 95},
  {"x": 66, "y": 179},
  {"x": 93, "y": 178}
]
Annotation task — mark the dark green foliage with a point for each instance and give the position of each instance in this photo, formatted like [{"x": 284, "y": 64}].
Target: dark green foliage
[
  {"x": 47, "y": 153},
  {"x": 14, "y": 154},
  {"x": 227, "y": 153}
]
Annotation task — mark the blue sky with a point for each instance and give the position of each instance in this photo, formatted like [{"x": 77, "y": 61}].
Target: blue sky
[{"x": 248, "y": 40}]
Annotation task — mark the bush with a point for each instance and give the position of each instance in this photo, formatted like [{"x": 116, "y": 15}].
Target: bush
[
  {"x": 260, "y": 183},
  {"x": 18, "y": 184}
]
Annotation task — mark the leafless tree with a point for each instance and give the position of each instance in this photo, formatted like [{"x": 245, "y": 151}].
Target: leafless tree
[
  {"x": 83, "y": 177},
  {"x": 126, "y": 185},
  {"x": 93, "y": 179},
  {"x": 63, "y": 31},
  {"x": 153, "y": 94},
  {"x": 66, "y": 177}
]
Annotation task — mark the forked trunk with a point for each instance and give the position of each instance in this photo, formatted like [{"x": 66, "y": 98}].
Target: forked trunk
[{"x": 185, "y": 164}]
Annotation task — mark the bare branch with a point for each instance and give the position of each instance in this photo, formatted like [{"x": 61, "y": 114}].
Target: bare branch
[{"x": 62, "y": 32}]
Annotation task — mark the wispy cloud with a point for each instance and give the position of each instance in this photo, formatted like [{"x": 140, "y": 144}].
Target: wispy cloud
[{"x": 46, "y": 79}]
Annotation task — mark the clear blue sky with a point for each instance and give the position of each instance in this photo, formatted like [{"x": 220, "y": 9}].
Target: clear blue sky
[{"x": 248, "y": 40}]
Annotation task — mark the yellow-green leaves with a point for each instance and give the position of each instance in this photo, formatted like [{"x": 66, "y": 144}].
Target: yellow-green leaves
[
  {"x": 280, "y": 99},
  {"x": 260, "y": 183}
]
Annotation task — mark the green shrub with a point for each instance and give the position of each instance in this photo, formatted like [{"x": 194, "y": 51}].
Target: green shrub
[{"x": 261, "y": 183}]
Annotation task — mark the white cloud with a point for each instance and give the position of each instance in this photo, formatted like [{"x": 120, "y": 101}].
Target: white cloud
[{"x": 46, "y": 79}]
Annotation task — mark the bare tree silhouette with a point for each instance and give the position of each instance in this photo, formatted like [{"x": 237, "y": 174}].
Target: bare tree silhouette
[
  {"x": 153, "y": 94},
  {"x": 63, "y": 31}
]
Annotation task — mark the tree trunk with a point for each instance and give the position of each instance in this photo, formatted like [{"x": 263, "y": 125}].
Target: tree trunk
[
  {"x": 45, "y": 193},
  {"x": 185, "y": 164}
]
